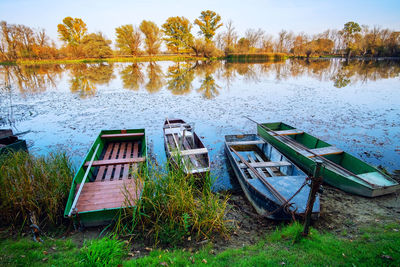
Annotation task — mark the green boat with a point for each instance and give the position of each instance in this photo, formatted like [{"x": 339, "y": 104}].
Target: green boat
[
  {"x": 10, "y": 142},
  {"x": 108, "y": 177},
  {"x": 341, "y": 169}
]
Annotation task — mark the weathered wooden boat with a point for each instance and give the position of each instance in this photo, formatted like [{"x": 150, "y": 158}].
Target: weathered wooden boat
[
  {"x": 107, "y": 180},
  {"x": 341, "y": 169},
  {"x": 10, "y": 141},
  {"x": 268, "y": 178},
  {"x": 184, "y": 148}
]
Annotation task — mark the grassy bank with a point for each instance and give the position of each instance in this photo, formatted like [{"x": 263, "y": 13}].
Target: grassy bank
[
  {"x": 255, "y": 58},
  {"x": 101, "y": 60},
  {"x": 33, "y": 185},
  {"x": 376, "y": 246}
]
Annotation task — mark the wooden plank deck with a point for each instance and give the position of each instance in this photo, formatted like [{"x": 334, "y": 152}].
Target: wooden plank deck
[
  {"x": 108, "y": 194},
  {"x": 118, "y": 159}
]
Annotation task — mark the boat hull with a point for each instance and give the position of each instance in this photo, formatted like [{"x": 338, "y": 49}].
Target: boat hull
[
  {"x": 101, "y": 216},
  {"x": 173, "y": 159},
  {"x": 262, "y": 201},
  {"x": 348, "y": 184}
]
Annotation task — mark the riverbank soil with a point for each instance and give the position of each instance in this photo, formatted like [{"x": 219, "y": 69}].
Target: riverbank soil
[{"x": 341, "y": 214}]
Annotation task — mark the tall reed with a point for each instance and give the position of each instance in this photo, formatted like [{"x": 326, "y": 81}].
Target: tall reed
[
  {"x": 173, "y": 206},
  {"x": 31, "y": 184}
]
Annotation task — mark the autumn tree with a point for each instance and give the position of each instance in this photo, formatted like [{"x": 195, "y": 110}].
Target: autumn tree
[
  {"x": 254, "y": 37},
  {"x": 208, "y": 22},
  {"x": 243, "y": 45},
  {"x": 349, "y": 33},
  {"x": 229, "y": 37},
  {"x": 95, "y": 45},
  {"x": 72, "y": 31},
  {"x": 128, "y": 39},
  {"x": 178, "y": 35},
  {"x": 152, "y": 35}
]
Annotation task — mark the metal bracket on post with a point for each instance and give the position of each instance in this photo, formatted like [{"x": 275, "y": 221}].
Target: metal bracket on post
[{"x": 316, "y": 182}]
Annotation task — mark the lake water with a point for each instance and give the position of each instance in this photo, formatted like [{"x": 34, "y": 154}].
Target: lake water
[{"x": 355, "y": 106}]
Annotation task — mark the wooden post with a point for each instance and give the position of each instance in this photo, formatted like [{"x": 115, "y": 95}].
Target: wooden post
[{"x": 316, "y": 181}]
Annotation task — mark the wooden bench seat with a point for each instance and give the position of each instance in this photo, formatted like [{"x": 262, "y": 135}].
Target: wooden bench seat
[
  {"x": 268, "y": 164},
  {"x": 106, "y": 162},
  {"x": 244, "y": 143},
  {"x": 322, "y": 151},
  {"x": 286, "y": 132},
  {"x": 195, "y": 151},
  {"x": 105, "y": 136}
]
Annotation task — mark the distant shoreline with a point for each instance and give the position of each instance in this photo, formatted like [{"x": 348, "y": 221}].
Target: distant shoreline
[{"x": 251, "y": 58}]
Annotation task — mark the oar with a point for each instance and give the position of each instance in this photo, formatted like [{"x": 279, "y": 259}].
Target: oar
[
  {"x": 329, "y": 162},
  {"x": 276, "y": 194},
  {"x": 83, "y": 182}
]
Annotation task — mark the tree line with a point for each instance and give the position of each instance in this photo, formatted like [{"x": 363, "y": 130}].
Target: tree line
[{"x": 23, "y": 42}]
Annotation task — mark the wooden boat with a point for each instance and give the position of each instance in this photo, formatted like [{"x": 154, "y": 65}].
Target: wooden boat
[
  {"x": 184, "y": 148},
  {"x": 9, "y": 141},
  {"x": 106, "y": 180},
  {"x": 278, "y": 179},
  {"x": 341, "y": 169}
]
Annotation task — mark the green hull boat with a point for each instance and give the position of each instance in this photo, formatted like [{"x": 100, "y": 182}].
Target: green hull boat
[
  {"x": 341, "y": 169},
  {"x": 106, "y": 182},
  {"x": 11, "y": 142}
]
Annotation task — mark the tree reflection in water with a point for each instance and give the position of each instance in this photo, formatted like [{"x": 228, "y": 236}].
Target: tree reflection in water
[
  {"x": 86, "y": 77},
  {"x": 155, "y": 78},
  {"x": 208, "y": 88},
  {"x": 132, "y": 76},
  {"x": 180, "y": 77}
]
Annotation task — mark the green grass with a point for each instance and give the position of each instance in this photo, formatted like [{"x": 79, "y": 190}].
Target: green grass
[
  {"x": 174, "y": 206},
  {"x": 100, "y": 60},
  {"x": 26, "y": 252},
  {"x": 376, "y": 245},
  {"x": 107, "y": 251},
  {"x": 381, "y": 247},
  {"x": 31, "y": 184}
]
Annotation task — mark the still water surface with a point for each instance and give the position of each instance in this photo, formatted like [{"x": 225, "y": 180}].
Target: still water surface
[{"x": 355, "y": 106}]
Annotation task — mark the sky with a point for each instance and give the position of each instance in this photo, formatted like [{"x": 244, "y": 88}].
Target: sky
[{"x": 309, "y": 16}]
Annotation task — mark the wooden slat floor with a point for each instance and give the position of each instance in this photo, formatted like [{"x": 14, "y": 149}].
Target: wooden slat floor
[
  {"x": 108, "y": 194},
  {"x": 123, "y": 150},
  {"x": 112, "y": 182}
]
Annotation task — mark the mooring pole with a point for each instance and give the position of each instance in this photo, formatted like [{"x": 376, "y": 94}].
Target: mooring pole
[{"x": 316, "y": 181}]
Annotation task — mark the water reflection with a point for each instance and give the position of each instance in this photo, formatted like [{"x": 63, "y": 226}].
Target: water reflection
[
  {"x": 31, "y": 78},
  {"x": 155, "y": 78},
  {"x": 132, "y": 76},
  {"x": 179, "y": 77},
  {"x": 208, "y": 88},
  {"x": 86, "y": 77}
]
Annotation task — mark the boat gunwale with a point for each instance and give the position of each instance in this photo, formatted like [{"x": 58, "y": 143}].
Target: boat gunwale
[
  {"x": 89, "y": 154},
  {"x": 368, "y": 191}
]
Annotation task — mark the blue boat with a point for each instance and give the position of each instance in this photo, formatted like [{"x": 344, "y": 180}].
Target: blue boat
[{"x": 276, "y": 181}]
